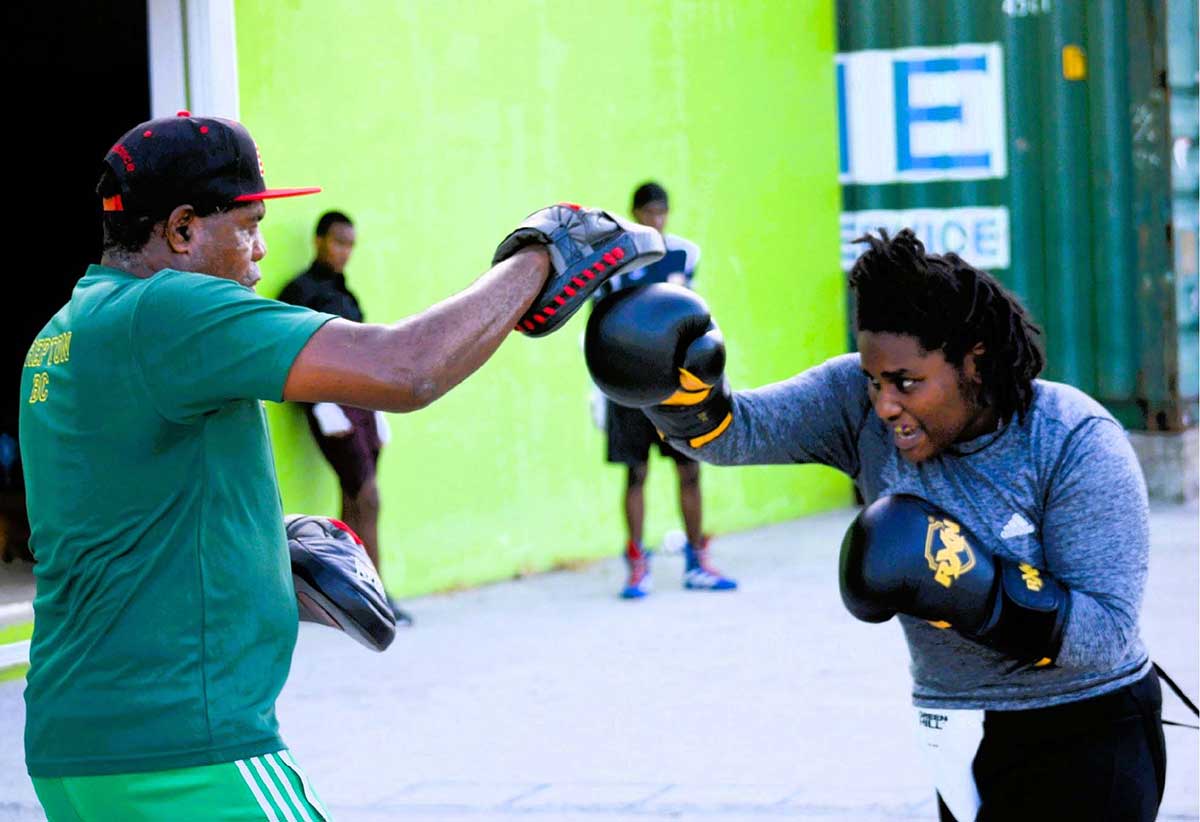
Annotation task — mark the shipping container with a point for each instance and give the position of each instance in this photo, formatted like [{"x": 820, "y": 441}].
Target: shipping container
[{"x": 1033, "y": 138}]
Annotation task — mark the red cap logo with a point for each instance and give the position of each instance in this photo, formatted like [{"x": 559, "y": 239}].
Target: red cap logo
[{"x": 123, "y": 153}]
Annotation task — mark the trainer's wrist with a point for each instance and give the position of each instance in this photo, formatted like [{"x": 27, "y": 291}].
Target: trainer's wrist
[
  {"x": 535, "y": 257},
  {"x": 531, "y": 267}
]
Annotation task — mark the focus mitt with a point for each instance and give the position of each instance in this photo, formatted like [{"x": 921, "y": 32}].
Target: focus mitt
[
  {"x": 586, "y": 247},
  {"x": 336, "y": 582}
]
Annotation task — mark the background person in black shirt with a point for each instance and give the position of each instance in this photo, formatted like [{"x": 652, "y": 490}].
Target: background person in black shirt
[{"x": 350, "y": 438}]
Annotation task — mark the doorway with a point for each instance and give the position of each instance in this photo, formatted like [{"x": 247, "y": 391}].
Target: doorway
[{"x": 79, "y": 78}]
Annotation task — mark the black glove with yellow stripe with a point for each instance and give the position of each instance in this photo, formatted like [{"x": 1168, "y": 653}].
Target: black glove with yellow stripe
[
  {"x": 656, "y": 348},
  {"x": 905, "y": 555}
]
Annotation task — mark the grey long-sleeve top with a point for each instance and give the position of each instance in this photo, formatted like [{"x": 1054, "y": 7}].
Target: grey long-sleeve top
[{"x": 1062, "y": 491}]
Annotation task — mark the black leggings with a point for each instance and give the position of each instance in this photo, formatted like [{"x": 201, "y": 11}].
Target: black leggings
[{"x": 1098, "y": 759}]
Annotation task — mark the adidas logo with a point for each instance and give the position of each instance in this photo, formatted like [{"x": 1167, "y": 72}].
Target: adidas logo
[{"x": 1017, "y": 526}]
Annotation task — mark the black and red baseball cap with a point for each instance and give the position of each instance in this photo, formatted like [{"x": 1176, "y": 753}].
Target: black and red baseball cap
[{"x": 207, "y": 162}]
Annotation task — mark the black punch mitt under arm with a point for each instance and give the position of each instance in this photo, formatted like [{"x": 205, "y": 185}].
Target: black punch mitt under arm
[{"x": 336, "y": 582}]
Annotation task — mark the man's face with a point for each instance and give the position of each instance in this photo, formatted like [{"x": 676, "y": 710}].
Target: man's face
[
  {"x": 334, "y": 248},
  {"x": 228, "y": 244},
  {"x": 927, "y": 403},
  {"x": 653, "y": 214}
]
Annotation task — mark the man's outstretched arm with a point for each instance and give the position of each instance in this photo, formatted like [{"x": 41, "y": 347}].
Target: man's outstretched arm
[
  {"x": 407, "y": 365},
  {"x": 541, "y": 274}
]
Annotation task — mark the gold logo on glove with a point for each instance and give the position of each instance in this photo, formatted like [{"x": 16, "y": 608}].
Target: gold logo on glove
[
  {"x": 947, "y": 552},
  {"x": 1031, "y": 577}
]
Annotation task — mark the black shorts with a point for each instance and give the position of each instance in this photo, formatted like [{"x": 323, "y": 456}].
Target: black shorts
[
  {"x": 354, "y": 456},
  {"x": 1102, "y": 758},
  {"x": 630, "y": 435}
]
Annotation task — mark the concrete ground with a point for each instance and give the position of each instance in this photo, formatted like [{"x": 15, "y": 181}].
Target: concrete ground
[
  {"x": 550, "y": 700},
  {"x": 16, "y": 582}
]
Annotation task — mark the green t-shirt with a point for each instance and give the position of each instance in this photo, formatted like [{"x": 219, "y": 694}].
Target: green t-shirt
[{"x": 165, "y": 616}]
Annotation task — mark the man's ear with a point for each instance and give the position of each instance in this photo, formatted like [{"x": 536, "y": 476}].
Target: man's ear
[
  {"x": 970, "y": 362},
  {"x": 179, "y": 227}
]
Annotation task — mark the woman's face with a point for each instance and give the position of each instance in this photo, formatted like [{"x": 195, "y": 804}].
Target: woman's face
[{"x": 927, "y": 403}]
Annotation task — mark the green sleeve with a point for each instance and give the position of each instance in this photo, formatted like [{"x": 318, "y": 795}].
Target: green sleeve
[{"x": 202, "y": 341}]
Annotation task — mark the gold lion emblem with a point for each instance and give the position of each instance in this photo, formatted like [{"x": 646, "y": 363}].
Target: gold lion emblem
[{"x": 947, "y": 551}]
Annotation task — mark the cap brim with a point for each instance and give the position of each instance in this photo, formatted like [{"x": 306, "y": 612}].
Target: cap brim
[{"x": 275, "y": 194}]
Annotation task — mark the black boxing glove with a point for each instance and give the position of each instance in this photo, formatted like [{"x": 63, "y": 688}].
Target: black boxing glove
[
  {"x": 656, "y": 348},
  {"x": 903, "y": 555}
]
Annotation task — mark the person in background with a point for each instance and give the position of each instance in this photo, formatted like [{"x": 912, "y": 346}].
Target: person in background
[
  {"x": 630, "y": 434},
  {"x": 350, "y": 438}
]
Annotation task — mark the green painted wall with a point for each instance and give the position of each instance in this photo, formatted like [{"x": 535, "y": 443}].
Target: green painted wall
[{"x": 439, "y": 126}]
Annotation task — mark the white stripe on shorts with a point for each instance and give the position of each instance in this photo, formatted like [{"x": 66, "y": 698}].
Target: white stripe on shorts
[
  {"x": 286, "y": 756},
  {"x": 254, "y": 789},
  {"x": 287, "y": 786},
  {"x": 266, "y": 778}
]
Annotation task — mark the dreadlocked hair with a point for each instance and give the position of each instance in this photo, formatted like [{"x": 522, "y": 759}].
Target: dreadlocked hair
[{"x": 950, "y": 306}]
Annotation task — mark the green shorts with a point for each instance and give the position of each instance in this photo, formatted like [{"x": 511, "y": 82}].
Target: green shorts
[{"x": 270, "y": 787}]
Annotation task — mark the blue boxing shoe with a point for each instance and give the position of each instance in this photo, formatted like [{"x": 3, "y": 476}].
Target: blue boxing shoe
[
  {"x": 639, "y": 583},
  {"x": 698, "y": 575}
]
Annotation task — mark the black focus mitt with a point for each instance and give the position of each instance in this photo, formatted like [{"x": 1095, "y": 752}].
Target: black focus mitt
[
  {"x": 336, "y": 582},
  {"x": 586, "y": 247}
]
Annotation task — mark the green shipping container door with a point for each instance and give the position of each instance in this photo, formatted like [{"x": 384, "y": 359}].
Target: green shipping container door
[
  {"x": 1182, "y": 76},
  {"x": 1032, "y": 138}
]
